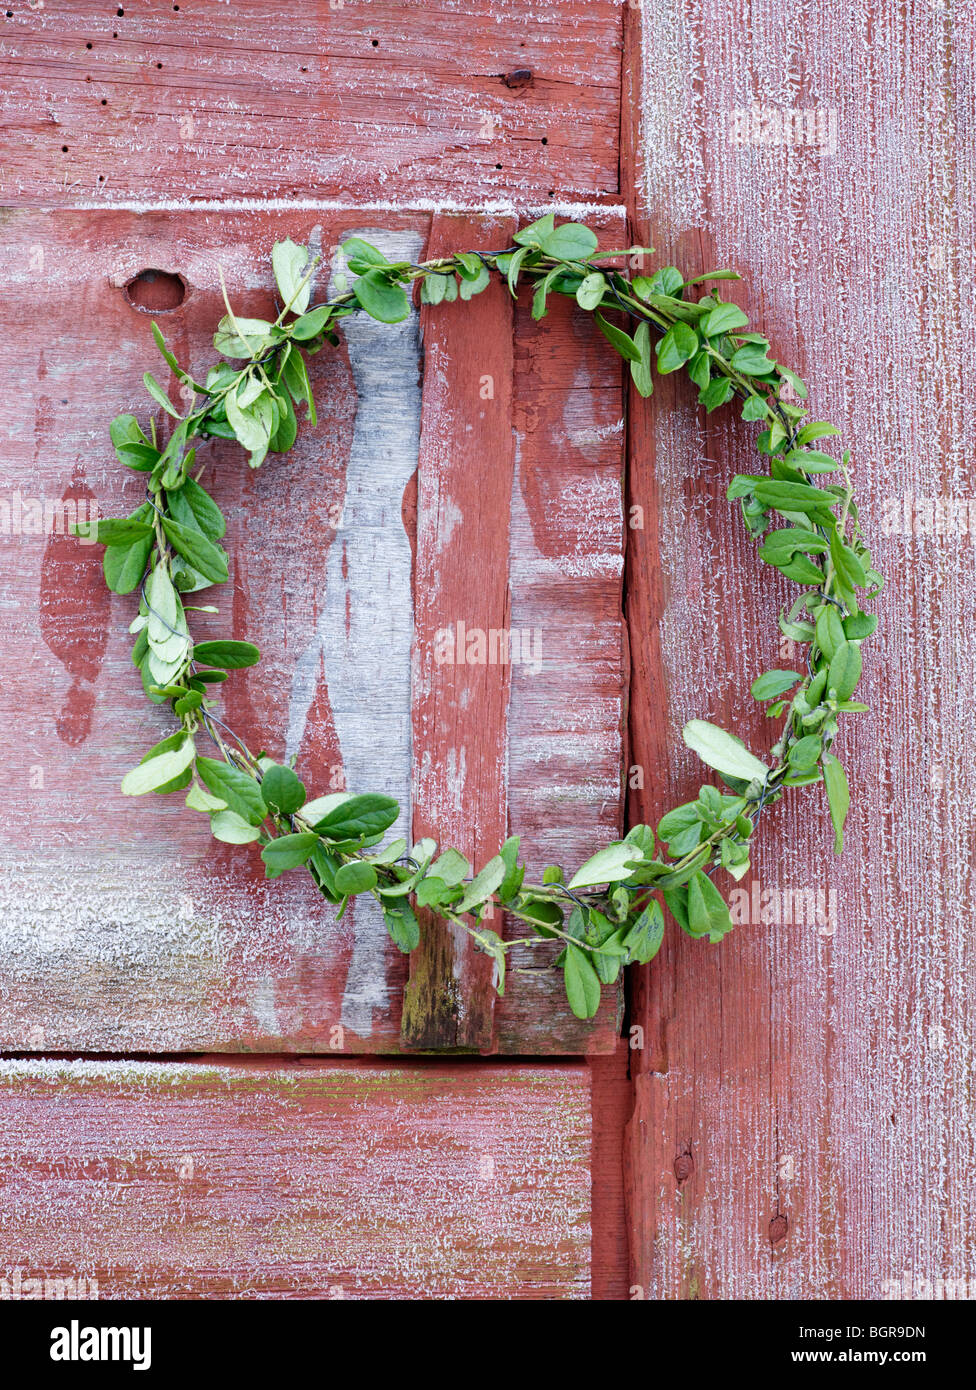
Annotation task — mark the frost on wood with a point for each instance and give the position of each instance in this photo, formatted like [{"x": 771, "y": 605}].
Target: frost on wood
[
  {"x": 833, "y": 1084},
  {"x": 237, "y": 1181}
]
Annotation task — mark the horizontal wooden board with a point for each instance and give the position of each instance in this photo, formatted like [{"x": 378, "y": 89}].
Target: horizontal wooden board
[
  {"x": 804, "y": 1125},
  {"x": 124, "y": 926},
  {"x": 302, "y": 1180},
  {"x": 460, "y": 100}
]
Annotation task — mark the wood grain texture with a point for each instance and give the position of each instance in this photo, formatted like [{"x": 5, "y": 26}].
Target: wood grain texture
[
  {"x": 803, "y": 1124},
  {"x": 395, "y": 99},
  {"x": 303, "y": 1180},
  {"x": 566, "y": 716},
  {"x": 124, "y": 927},
  {"x": 462, "y": 627}
]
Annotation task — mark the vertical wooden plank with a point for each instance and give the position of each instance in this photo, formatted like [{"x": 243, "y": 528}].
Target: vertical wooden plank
[
  {"x": 461, "y": 669},
  {"x": 568, "y": 708},
  {"x": 803, "y": 1124}
]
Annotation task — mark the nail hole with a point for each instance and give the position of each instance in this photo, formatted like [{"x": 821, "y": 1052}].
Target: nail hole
[
  {"x": 159, "y": 65},
  {"x": 64, "y": 149},
  {"x": 156, "y": 291},
  {"x": 498, "y": 166},
  {"x": 104, "y": 101},
  {"x": 120, "y": 12},
  {"x": 88, "y": 45},
  {"x": 545, "y": 139},
  {"x": 376, "y": 43}
]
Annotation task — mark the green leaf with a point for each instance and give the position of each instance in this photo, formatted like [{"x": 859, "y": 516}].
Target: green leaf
[
  {"x": 716, "y": 393},
  {"x": 240, "y": 791},
  {"x": 290, "y": 262},
  {"x": 781, "y": 545},
  {"x": 845, "y": 670},
  {"x": 846, "y": 562},
  {"x": 190, "y": 701},
  {"x": 113, "y": 530},
  {"x": 403, "y": 927},
  {"x": 608, "y": 865},
  {"x": 282, "y": 790},
  {"x": 310, "y": 325},
  {"x": 569, "y": 242},
  {"x": 452, "y": 867},
  {"x": 239, "y": 337},
  {"x": 838, "y": 797},
  {"x": 643, "y": 940},
  {"x": 805, "y": 753},
  {"x": 793, "y": 497},
  {"x": 159, "y": 767},
  {"x": 227, "y": 655},
  {"x": 431, "y": 891},
  {"x": 199, "y": 800},
  {"x": 233, "y": 829},
  {"x": 678, "y": 345},
  {"x": 355, "y": 877},
  {"x": 124, "y": 566},
  {"x": 591, "y": 291},
  {"x": 380, "y": 299},
  {"x": 469, "y": 288},
  {"x": 622, "y": 341},
  {"x": 358, "y": 817},
  {"x": 582, "y": 983},
  {"x": 355, "y": 249},
  {"x": 708, "y": 914},
  {"x": 535, "y": 232},
  {"x": 830, "y": 631},
  {"x": 190, "y": 505},
  {"x": 801, "y": 570},
  {"x": 798, "y": 385},
  {"x": 811, "y": 461},
  {"x": 641, "y": 372},
  {"x": 755, "y": 408},
  {"x": 751, "y": 360},
  {"x": 433, "y": 289},
  {"x": 295, "y": 375},
  {"x": 722, "y": 751},
  {"x": 252, "y": 424},
  {"x": 816, "y": 429},
  {"x": 723, "y": 319},
  {"x": 482, "y": 885},
  {"x": 514, "y": 266},
  {"x": 209, "y": 559},
  {"x": 773, "y": 683},
  {"x": 492, "y": 945},
  {"x": 860, "y": 625},
  {"x": 159, "y": 395},
  {"x": 514, "y": 872}
]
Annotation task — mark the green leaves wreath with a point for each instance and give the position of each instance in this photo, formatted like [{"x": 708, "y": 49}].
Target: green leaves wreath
[{"x": 800, "y": 509}]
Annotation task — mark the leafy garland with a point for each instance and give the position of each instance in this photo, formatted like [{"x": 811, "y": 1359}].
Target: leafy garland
[{"x": 607, "y": 914}]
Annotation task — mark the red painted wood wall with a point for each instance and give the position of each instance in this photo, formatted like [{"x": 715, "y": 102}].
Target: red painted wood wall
[{"x": 787, "y": 1116}]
